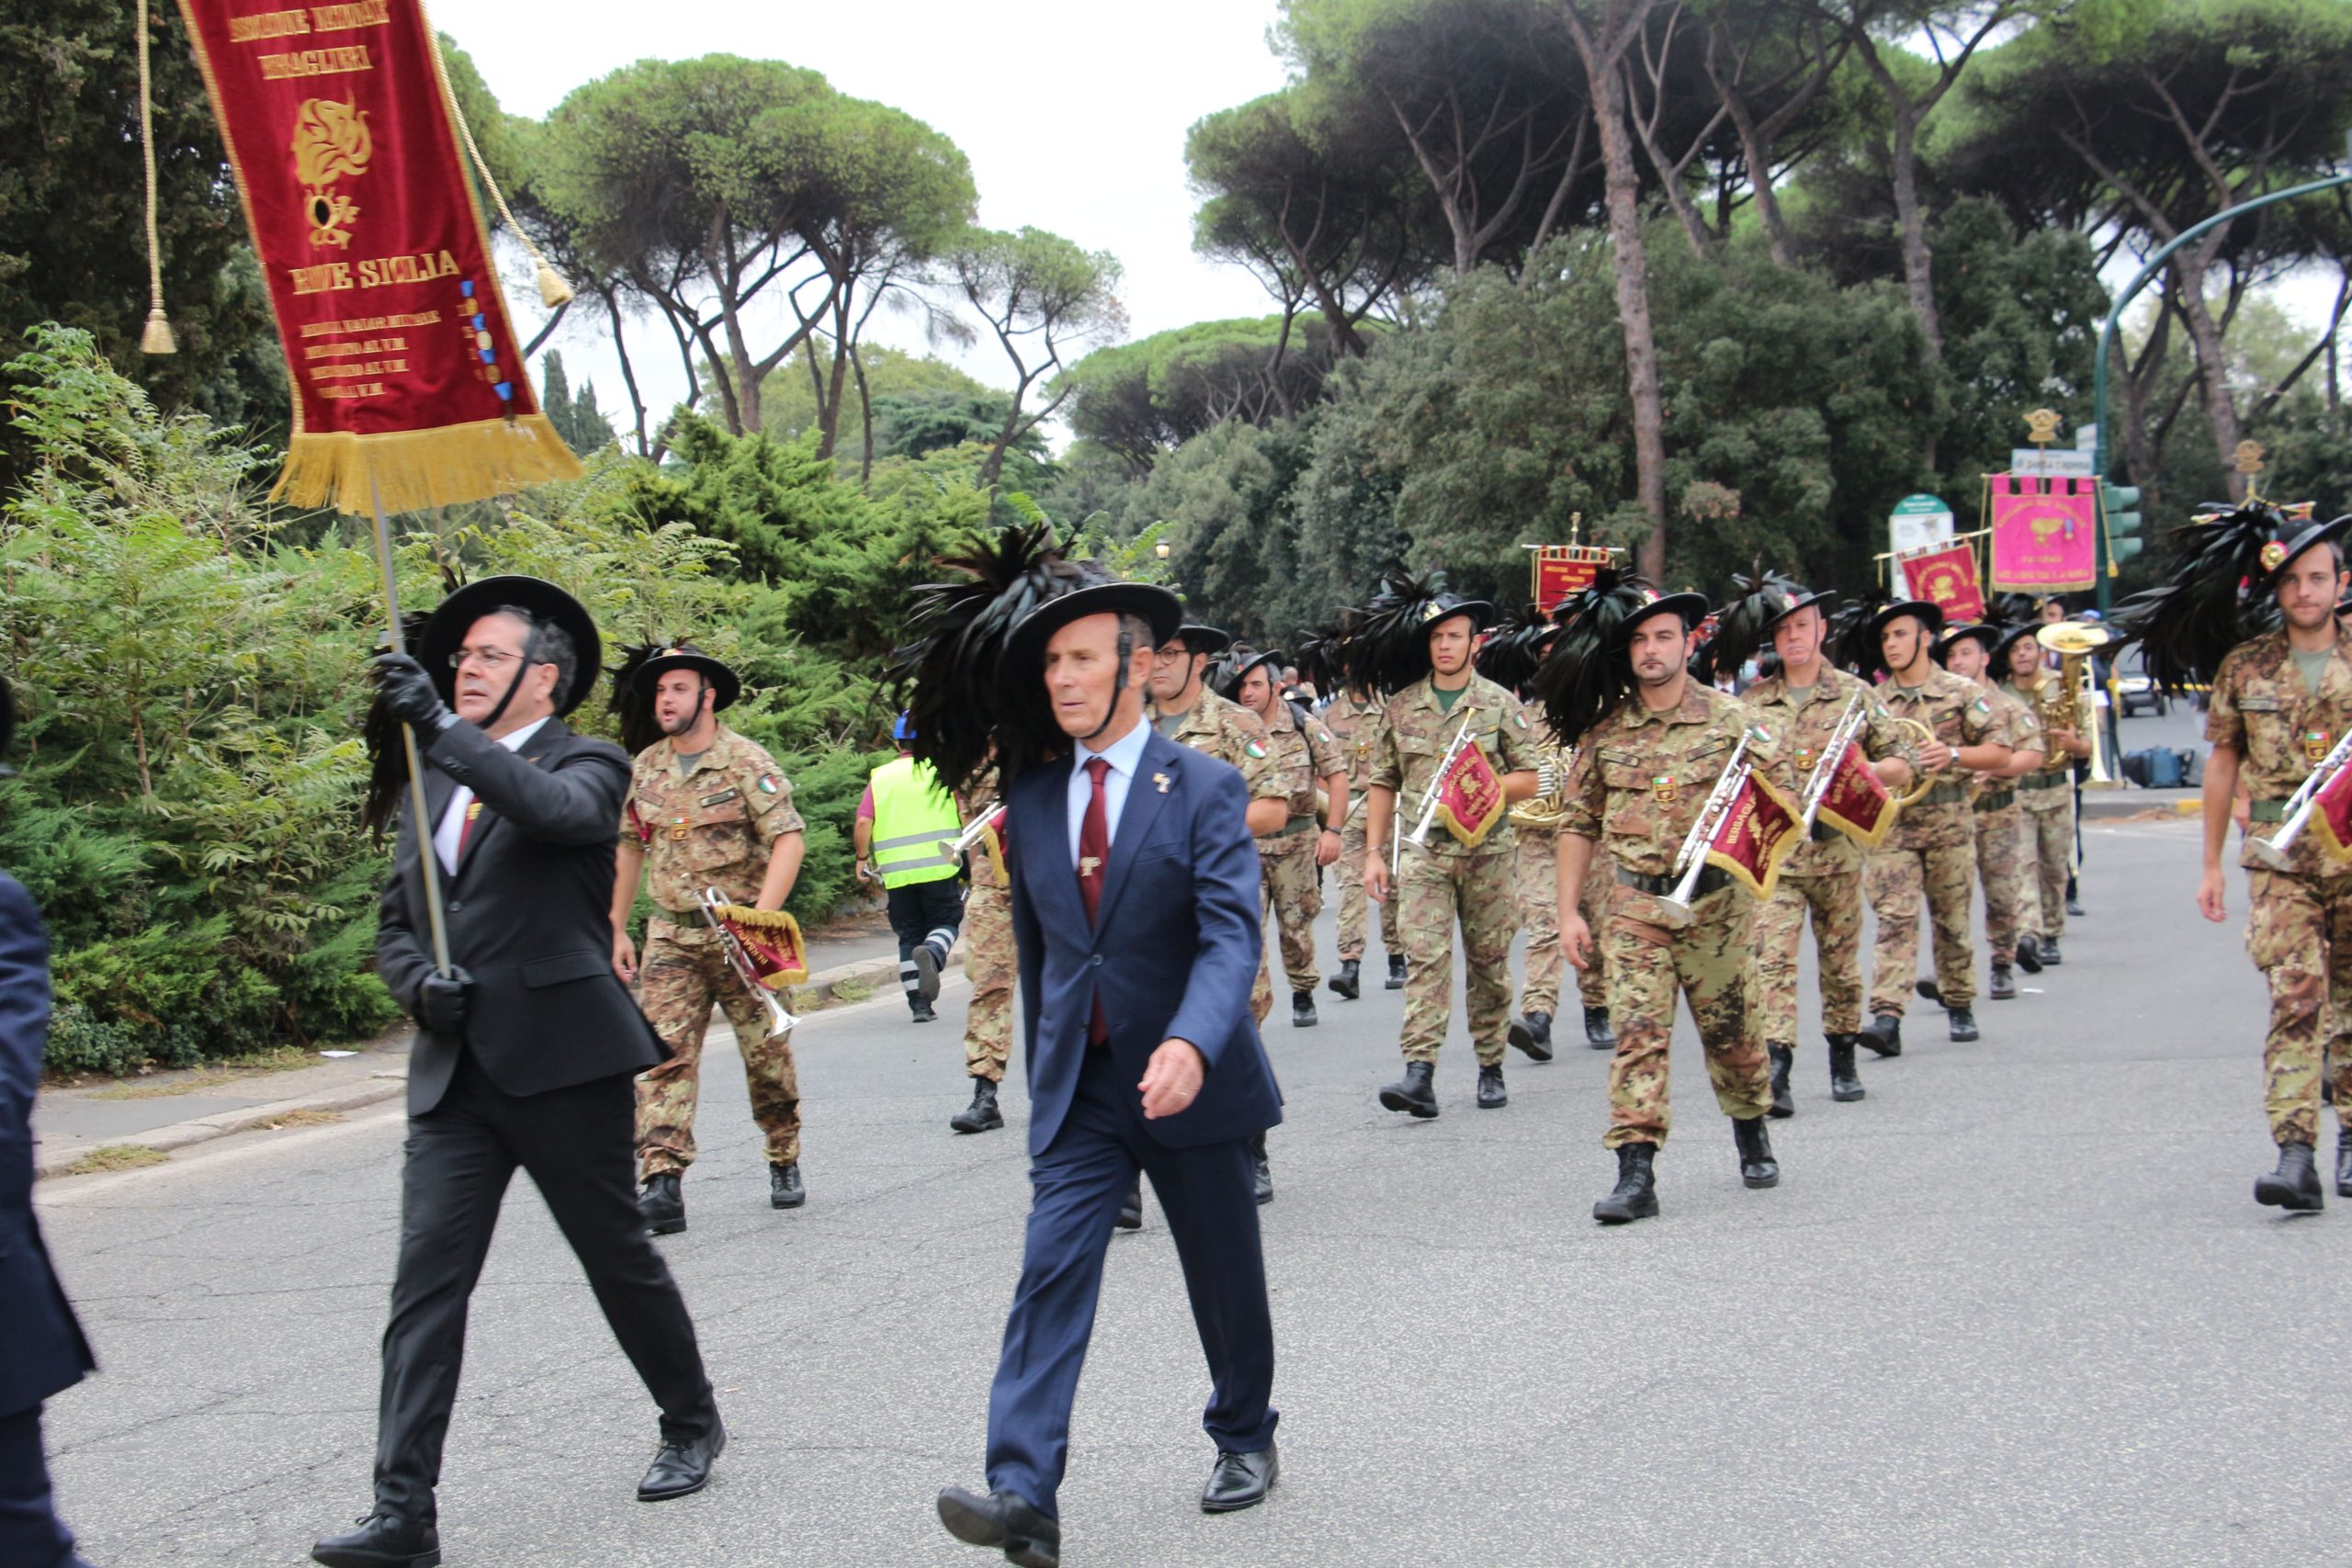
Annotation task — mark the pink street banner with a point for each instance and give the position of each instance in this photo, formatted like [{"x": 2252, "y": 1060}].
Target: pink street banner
[{"x": 2044, "y": 534}]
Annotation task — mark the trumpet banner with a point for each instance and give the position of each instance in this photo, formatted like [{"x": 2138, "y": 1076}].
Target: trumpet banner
[
  {"x": 771, "y": 940},
  {"x": 2044, "y": 539},
  {"x": 1470, "y": 797},
  {"x": 2331, "y": 815},
  {"x": 1855, "y": 802},
  {"x": 1759, "y": 832},
  {"x": 405, "y": 370},
  {"x": 1945, "y": 576}
]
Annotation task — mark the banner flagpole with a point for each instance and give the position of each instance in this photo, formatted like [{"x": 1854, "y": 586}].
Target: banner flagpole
[{"x": 434, "y": 917}]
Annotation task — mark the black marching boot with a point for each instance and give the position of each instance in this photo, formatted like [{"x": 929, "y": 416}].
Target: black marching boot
[
  {"x": 1395, "y": 972},
  {"x": 981, "y": 1115},
  {"x": 382, "y": 1541},
  {"x": 2029, "y": 954},
  {"x": 2004, "y": 984},
  {"x": 2050, "y": 958},
  {"x": 1492, "y": 1096},
  {"x": 1302, "y": 1011},
  {"x": 1413, "y": 1092},
  {"x": 1131, "y": 1206},
  {"x": 1349, "y": 982},
  {"x": 1884, "y": 1036},
  {"x": 1963, "y": 1025},
  {"x": 2343, "y": 1163},
  {"x": 2294, "y": 1186},
  {"x": 1845, "y": 1083},
  {"x": 784, "y": 1190},
  {"x": 1756, "y": 1166},
  {"x": 1532, "y": 1033},
  {"x": 1598, "y": 1032},
  {"x": 1784, "y": 1058},
  {"x": 661, "y": 1206},
  {"x": 1261, "y": 1173},
  {"x": 1636, "y": 1195}
]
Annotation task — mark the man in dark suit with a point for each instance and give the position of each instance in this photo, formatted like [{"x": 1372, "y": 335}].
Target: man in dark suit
[
  {"x": 45, "y": 1351},
  {"x": 527, "y": 1046},
  {"x": 1134, "y": 904}
]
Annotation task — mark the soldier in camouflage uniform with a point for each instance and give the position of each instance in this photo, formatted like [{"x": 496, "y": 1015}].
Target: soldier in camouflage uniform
[
  {"x": 2047, "y": 793},
  {"x": 1443, "y": 880},
  {"x": 1931, "y": 852},
  {"x": 988, "y": 964},
  {"x": 1307, "y": 759},
  {"x": 1998, "y": 821},
  {"x": 1351, "y": 716},
  {"x": 707, "y": 807},
  {"x": 2280, "y": 704},
  {"x": 1537, "y": 875},
  {"x": 1803, "y": 705},
  {"x": 1643, "y": 774}
]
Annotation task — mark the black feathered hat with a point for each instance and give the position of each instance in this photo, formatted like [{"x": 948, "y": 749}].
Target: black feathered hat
[
  {"x": 1851, "y": 643},
  {"x": 1514, "y": 650},
  {"x": 724, "y": 682},
  {"x": 2221, "y": 589},
  {"x": 1927, "y": 611},
  {"x": 446, "y": 629},
  {"x": 1237, "y": 665},
  {"x": 1390, "y": 648},
  {"x": 2009, "y": 638},
  {"x": 1198, "y": 638},
  {"x": 1587, "y": 673},
  {"x": 1744, "y": 625},
  {"x": 1445, "y": 606},
  {"x": 1985, "y": 634},
  {"x": 1692, "y": 608}
]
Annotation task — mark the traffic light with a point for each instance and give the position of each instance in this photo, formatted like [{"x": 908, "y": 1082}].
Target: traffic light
[{"x": 2122, "y": 504}]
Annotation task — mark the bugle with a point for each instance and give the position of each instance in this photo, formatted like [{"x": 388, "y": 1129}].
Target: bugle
[
  {"x": 1691, "y": 859},
  {"x": 712, "y": 901},
  {"x": 2271, "y": 852},
  {"x": 1817, "y": 786},
  {"x": 1436, "y": 790},
  {"x": 961, "y": 845},
  {"x": 1923, "y": 778}
]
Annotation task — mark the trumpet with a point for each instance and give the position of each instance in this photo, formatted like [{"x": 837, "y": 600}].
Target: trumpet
[
  {"x": 1849, "y": 724},
  {"x": 2271, "y": 852},
  {"x": 1691, "y": 859},
  {"x": 961, "y": 845},
  {"x": 1436, "y": 790},
  {"x": 780, "y": 1020}
]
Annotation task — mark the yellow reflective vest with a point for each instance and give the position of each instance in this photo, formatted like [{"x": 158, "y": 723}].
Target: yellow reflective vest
[{"x": 911, "y": 815}]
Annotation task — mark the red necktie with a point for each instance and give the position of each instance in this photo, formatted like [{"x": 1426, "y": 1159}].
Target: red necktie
[
  {"x": 1093, "y": 855},
  {"x": 465, "y": 826}
]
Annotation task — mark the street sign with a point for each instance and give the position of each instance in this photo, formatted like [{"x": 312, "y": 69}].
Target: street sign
[
  {"x": 1918, "y": 521},
  {"x": 2086, "y": 439},
  {"x": 2041, "y": 463}
]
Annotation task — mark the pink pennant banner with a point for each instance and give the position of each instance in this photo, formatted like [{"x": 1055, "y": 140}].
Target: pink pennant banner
[{"x": 2045, "y": 534}]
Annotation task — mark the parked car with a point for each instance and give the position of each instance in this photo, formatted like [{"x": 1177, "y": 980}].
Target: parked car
[{"x": 2135, "y": 692}]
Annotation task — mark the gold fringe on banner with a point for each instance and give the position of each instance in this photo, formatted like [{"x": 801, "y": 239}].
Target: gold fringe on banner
[{"x": 416, "y": 468}]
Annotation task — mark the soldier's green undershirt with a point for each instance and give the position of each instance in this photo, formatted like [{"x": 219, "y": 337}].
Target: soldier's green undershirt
[
  {"x": 1445, "y": 699},
  {"x": 2313, "y": 666}
]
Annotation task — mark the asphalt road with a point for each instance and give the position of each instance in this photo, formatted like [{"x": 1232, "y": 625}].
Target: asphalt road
[{"x": 2016, "y": 1307}]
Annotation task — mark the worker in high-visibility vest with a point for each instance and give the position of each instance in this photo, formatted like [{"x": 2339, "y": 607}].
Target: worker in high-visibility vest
[{"x": 906, "y": 834}]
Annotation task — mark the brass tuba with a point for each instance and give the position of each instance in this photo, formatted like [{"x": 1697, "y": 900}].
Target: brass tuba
[{"x": 2058, "y": 703}]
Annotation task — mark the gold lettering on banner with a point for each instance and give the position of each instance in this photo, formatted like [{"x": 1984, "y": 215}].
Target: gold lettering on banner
[
  {"x": 316, "y": 62},
  {"x": 342, "y": 18},
  {"x": 268, "y": 25},
  {"x": 376, "y": 272}
]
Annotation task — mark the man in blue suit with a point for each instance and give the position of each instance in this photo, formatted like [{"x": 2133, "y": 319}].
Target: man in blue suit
[
  {"x": 46, "y": 1351},
  {"x": 1135, "y": 904}
]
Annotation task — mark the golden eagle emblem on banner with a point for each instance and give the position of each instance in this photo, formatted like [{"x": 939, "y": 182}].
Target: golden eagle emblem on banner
[
  {"x": 1470, "y": 797},
  {"x": 330, "y": 142}
]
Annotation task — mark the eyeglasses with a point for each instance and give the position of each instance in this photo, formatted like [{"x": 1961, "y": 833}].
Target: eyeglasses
[{"x": 491, "y": 659}]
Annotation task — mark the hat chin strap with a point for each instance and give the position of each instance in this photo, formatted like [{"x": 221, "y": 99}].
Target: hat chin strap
[
  {"x": 1118, "y": 685},
  {"x": 530, "y": 658}
]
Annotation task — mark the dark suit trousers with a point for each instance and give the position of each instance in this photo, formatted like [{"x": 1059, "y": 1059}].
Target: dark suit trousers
[
  {"x": 1076, "y": 1186},
  {"x": 579, "y": 1145},
  {"x": 31, "y": 1535}
]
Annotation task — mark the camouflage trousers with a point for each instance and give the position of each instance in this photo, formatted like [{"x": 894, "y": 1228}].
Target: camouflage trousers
[
  {"x": 1291, "y": 896},
  {"x": 1894, "y": 881},
  {"x": 2049, "y": 856},
  {"x": 1539, "y": 916},
  {"x": 2000, "y": 867},
  {"x": 988, "y": 965},
  {"x": 1354, "y": 907},
  {"x": 1435, "y": 891},
  {"x": 1834, "y": 900},
  {"x": 2299, "y": 936},
  {"x": 677, "y": 983},
  {"x": 1710, "y": 961}
]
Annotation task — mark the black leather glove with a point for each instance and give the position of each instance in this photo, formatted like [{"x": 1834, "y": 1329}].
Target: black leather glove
[
  {"x": 410, "y": 696},
  {"x": 441, "y": 1001}
]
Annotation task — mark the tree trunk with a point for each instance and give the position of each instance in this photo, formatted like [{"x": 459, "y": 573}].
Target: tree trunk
[
  {"x": 628, "y": 372},
  {"x": 1759, "y": 181},
  {"x": 1918, "y": 264},
  {"x": 865, "y": 413}
]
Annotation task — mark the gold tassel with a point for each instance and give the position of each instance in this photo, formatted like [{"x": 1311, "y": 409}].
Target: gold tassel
[
  {"x": 444, "y": 465},
  {"x": 157, "y": 338},
  {"x": 554, "y": 292}
]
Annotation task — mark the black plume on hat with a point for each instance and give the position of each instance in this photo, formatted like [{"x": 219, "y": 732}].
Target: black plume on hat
[
  {"x": 1743, "y": 626},
  {"x": 1393, "y": 643},
  {"x": 381, "y": 733},
  {"x": 2218, "y": 594},
  {"x": 1512, "y": 651},
  {"x": 1588, "y": 671},
  {"x": 1851, "y": 643},
  {"x": 634, "y": 709}
]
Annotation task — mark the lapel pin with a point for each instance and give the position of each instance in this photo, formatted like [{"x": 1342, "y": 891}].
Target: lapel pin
[{"x": 1161, "y": 780}]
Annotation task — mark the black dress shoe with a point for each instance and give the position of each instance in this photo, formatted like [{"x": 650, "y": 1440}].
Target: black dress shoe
[
  {"x": 1884, "y": 1036},
  {"x": 1395, "y": 972},
  {"x": 1963, "y": 1025},
  {"x": 1349, "y": 981},
  {"x": 2294, "y": 1186},
  {"x": 2049, "y": 959},
  {"x": 2004, "y": 984},
  {"x": 981, "y": 1115},
  {"x": 2343, "y": 1164},
  {"x": 1131, "y": 1208},
  {"x": 784, "y": 1190},
  {"x": 1756, "y": 1166},
  {"x": 1240, "y": 1480},
  {"x": 1302, "y": 1009},
  {"x": 1636, "y": 1195},
  {"x": 1784, "y": 1057},
  {"x": 2074, "y": 907},
  {"x": 382, "y": 1541},
  {"x": 1004, "y": 1519},
  {"x": 1845, "y": 1083},
  {"x": 1598, "y": 1032},
  {"x": 661, "y": 1205},
  {"x": 2029, "y": 954},
  {"x": 1492, "y": 1096},
  {"x": 1413, "y": 1092},
  {"x": 1532, "y": 1033},
  {"x": 682, "y": 1467},
  {"x": 1929, "y": 990}
]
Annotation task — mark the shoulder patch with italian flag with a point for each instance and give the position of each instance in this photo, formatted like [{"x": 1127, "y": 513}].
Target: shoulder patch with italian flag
[
  {"x": 767, "y": 785},
  {"x": 1257, "y": 752},
  {"x": 1981, "y": 705},
  {"x": 1757, "y": 732},
  {"x": 1520, "y": 720}
]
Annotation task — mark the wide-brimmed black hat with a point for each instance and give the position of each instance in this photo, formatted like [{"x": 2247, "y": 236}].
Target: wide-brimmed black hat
[
  {"x": 2296, "y": 540},
  {"x": 725, "y": 686},
  {"x": 1198, "y": 638},
  {"x": 1445, "y": 606},
  {"x": 445, "y": 631},
  {"x": 1025, "y": 648},
  {"x": 1801, "y": 600},
  {"x": 2009, "y": 637},
  {"x": 1926, "y": 611},
  {"x": 1229, "y": 679},
  {"x": 1982, "y": 633},
  {"x": 1692, "y": 608}
]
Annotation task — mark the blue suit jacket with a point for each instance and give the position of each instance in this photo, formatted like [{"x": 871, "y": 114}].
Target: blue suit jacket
[
  {"x": 46, "y": 1351},
  {"x": 1173, "y": 952}
]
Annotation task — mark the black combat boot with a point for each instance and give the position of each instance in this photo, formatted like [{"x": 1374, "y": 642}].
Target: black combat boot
[
  {"x": 1302, "y": 1011},
  {"x": 1492, "y": 1096},
  {"x": 1844, "y": 1082},
  {"x": 1349, "y": 981},
  {"x": 1261, "y": 1173},
  {"x": 1756, "y": 1166},
  {"x": 2294, "y": 1186},
  {"x": 981, "y": 1115},
  {"x": 2029, "y": 954},
  {"x": 920, "y": 1009},
  {"x": 1598, "y": 1031},
  {"x": 1131, "y": 1206},
  {"x": 1395, "y": 972},
  {"x": 382, "y": 1541},
  {"x": 1532, "y": 1033},
  {"x": 1963, "y": 1025},
  {"x": 784, "y": 1190},
  {"x": 2343, "y": 1163},
  {"x": 1636, "y": 1195},
  {"x": 1929, "y": 991},
  {"x": 661, "y": 1205},
  {"x": 2004, "y": 984},
  {"x": 1413, "y": 1092},
  {"x": 2049, "y": 959},
  {"x": 1884, "y": 1034},
  {"x": 1784, "y": 1057}
]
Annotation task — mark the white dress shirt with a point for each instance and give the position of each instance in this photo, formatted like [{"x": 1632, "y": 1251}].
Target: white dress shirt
[
  {"x": 1125, "y": 755},
  {"x": 447, "y": 837}
]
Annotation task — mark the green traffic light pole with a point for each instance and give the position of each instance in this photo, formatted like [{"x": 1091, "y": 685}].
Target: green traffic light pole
[{"x": 2130, "y": 291}]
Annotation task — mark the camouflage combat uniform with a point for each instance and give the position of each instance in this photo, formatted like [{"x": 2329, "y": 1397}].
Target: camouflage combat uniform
[
  {"x": 1231, "y": 733},
  {"x": 1292, "y": 881},
  {"x": 1641, "y": 780},
  {"x": 1538, "y": 874},
  {"x": 1352, "y": 722},
  {"x": 1931, "y": 852},
  {"x": 1822, "y": 876},
  {"x": 2047, "y": 796},
  {"x": 1445, "y": 879},
  {"x": 988, "y": 947},
  {"x": 713, "y": 826},
  {"x": 2000, "y": 835},
  {"x": 2300, "y": 933}
]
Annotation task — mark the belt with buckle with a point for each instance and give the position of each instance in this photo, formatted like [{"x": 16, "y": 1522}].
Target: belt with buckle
[
  {"x": 1713, "y": 877},
  {"x": 1943, "y": 795},
  {"x": 1995, "y": 800},
  {"x": 2049, "y": 778}
]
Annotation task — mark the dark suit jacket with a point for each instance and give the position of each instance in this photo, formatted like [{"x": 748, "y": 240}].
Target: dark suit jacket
[
  {"x": 45, "y": 1348},
  {"x": 1173, "y": 949},
  {"x": 530, "y": 917}
]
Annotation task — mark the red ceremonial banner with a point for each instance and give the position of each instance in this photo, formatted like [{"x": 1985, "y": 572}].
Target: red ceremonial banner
[
  {"x": 1945, "y": 576},
  {"x": 771, "y": 940},
  {"x": 1562, "y": 571},
  {"x": 1470, "y": 801},
  {"x": 2044, "y": 542},
  {"x": 1755, "y": 835},
  {"x": 2331, "y": 815},
  {"x": 1856, "y": 801},
  {"x": 405, "y": 369}
]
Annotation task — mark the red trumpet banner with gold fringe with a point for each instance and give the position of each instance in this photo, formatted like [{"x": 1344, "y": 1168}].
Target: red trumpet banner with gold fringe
[
  {"x": 771, "y": 940},
  {"x": 405, "y": 369},
  {"x": 1470, "y": 798},
  {"x": 1945, "y": 576},
  {"x": 1855, "y": 801},
  {"x": 1756, "y": 833},
  {"x": 1562, "y": 571},
  {"x": 2331, "y": 815}
]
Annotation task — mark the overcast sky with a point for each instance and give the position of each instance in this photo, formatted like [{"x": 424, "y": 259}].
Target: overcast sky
[{"x": 1073, "y": 117}]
